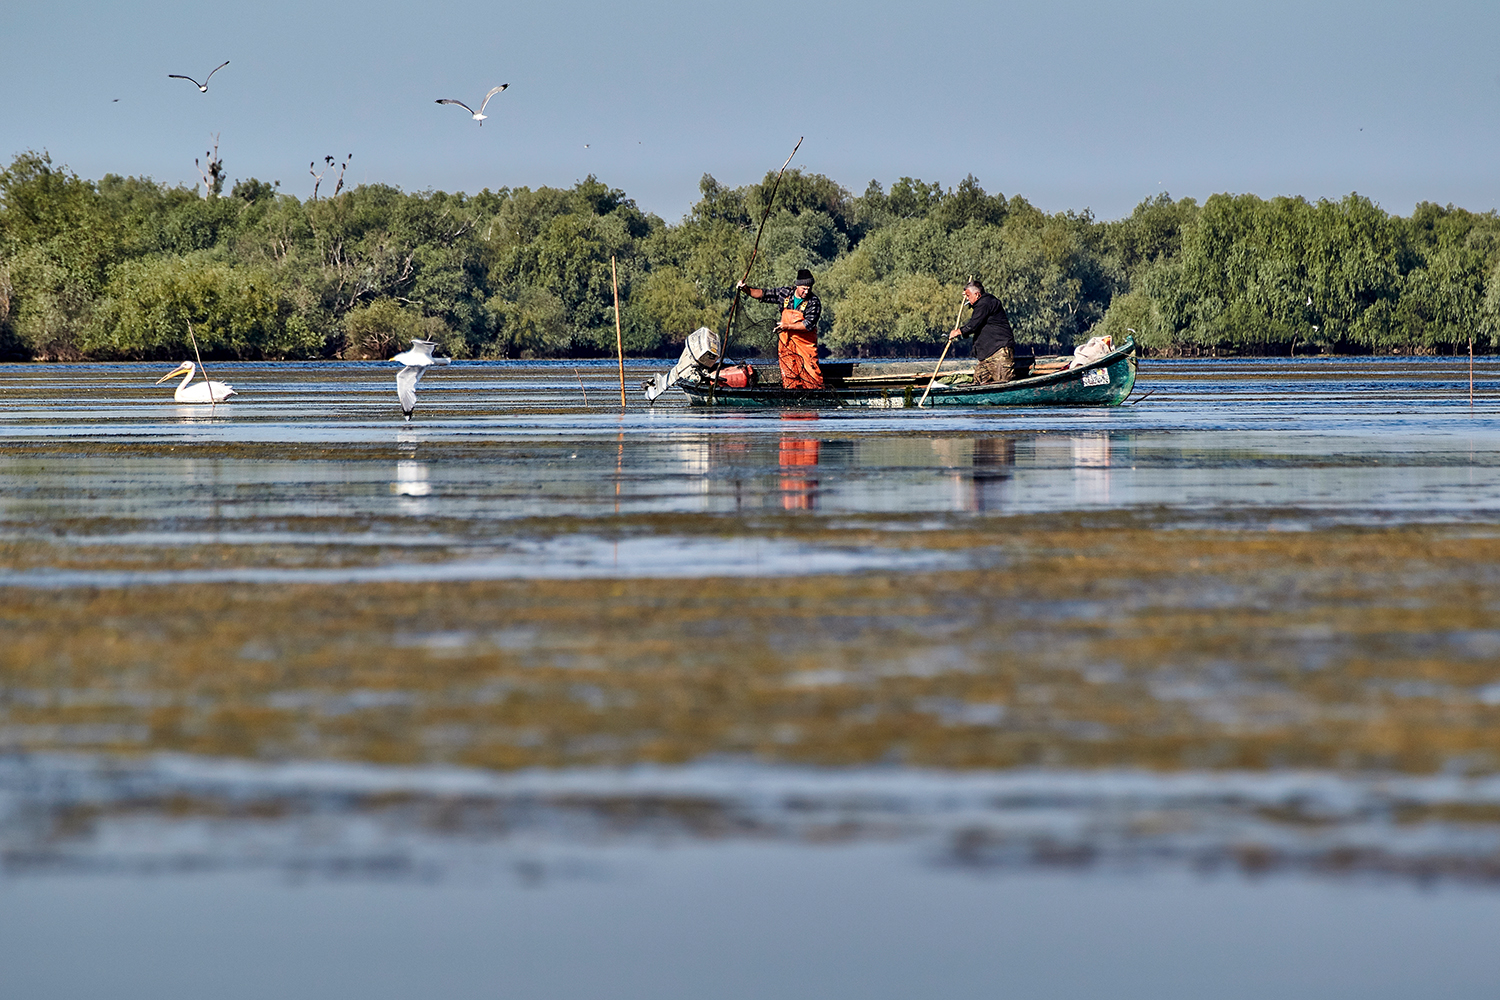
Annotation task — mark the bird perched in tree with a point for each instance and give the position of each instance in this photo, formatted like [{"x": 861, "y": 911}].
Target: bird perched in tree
[
  {"x": 202, "y": 87},
  {"x": 479, "y": 116}
]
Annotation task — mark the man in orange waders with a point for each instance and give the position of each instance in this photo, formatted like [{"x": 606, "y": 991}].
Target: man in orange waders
[{"x": 797, "y": 340}]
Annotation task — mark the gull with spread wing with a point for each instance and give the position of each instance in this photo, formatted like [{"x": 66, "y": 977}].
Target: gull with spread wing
[
  {"x": 414, "y": 362},
  {"x": 202, "y": 87},
  {"x": 479, "y": 116}
]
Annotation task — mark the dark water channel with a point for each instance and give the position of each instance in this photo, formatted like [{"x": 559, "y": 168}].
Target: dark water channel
[{"x": 1196, "y": 696}]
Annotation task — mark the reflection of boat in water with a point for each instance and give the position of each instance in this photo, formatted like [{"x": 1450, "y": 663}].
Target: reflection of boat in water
[{"x": 1040, "y": 381}]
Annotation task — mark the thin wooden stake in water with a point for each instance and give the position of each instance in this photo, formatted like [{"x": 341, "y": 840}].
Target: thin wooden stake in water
[
  {"x": 956, "y": 317},
  {"x": 1471, "y": 374},
  {"x": 619, "y": 338},
  {"x": 213, "y": 404}
]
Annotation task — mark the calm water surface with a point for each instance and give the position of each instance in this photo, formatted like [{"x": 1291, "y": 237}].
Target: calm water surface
[
  {"x": 317, "y": 454},
  {"x": 330, "y": 812}
]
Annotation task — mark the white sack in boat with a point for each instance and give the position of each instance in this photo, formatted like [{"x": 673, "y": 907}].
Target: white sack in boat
[{"x": 1093, "y": 350}]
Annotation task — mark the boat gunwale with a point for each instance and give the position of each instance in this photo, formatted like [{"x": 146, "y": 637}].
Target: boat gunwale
[{"x": 1125, "y": 352}]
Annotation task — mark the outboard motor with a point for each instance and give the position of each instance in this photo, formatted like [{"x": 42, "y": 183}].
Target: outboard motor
[{"x": 696, "y": 365}]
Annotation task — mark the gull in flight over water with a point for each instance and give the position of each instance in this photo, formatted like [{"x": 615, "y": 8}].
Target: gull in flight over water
[
  {"x": 414, "y": 362},
  {"x": 197, "y": 393},
  {"x": 202, "y": 87},
  {"x": 479, "y": 116}
]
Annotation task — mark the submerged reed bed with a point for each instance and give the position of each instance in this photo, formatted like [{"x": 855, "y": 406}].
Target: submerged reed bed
[{"x": 1095, "y": 646}]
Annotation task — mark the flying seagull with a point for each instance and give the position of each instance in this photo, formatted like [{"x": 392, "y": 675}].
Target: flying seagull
[
  {"x": 414, "y": 362},
  {"x": 479, "y": 116},
  {"x": 202, "y": 87}
]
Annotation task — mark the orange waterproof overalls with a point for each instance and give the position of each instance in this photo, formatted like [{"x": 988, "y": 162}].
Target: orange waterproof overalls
[
  {"x": 797, "y": 492},
  {"x": 797, "y": 350}
]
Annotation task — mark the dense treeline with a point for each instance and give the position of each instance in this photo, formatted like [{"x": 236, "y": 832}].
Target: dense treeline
[{"x": 122, "y": 267}]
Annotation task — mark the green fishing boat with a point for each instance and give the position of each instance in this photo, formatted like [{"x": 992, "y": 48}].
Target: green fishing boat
[{"x": 1040, "y": 381}]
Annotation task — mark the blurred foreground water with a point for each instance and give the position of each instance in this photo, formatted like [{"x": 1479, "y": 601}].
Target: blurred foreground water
[{"x": 1195, "y": 696}]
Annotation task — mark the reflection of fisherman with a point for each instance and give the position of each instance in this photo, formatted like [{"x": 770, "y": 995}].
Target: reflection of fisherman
[
  {"x": 798, "y": 493},
  {"x": 797, "y": 344},
  {"x": 994, "y": 343},
  {"x": 993, "y": 460}
]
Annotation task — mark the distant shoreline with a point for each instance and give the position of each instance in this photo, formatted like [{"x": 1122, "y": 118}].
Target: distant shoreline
[{"x": 123, "y": 268}]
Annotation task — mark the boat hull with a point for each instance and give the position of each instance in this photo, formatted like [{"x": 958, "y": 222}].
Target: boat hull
[{"x": 1105, "y": 382}]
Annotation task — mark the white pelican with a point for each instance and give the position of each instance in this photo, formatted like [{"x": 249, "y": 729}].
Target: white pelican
[
  {"x": 414, "y": 362},
  {"x": 200, "y": 392},
  {"x": 479, "y": 116},
  {"x": 202, "y": 87}
]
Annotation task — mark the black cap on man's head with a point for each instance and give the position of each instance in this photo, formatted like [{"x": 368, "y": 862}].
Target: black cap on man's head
[{"x": 804, "y": 277}]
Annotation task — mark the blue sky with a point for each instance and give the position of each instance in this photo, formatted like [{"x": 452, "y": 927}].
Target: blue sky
[{"x": 1074, "y": 104}]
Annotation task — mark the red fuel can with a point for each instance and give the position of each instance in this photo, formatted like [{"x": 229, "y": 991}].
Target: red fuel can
[{"x": 737, "y": 376}]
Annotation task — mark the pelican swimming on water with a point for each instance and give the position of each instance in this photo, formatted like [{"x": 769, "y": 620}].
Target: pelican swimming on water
[
  {"x": 197, "y": 393},
  {"x": 202, "y": 87},
  {"x": 414, "y": 362},
  {"x": 479, "y": 116}
]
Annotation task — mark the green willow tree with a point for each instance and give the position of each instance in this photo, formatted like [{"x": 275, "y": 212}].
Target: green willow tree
[{"x": 120, "y": 267}]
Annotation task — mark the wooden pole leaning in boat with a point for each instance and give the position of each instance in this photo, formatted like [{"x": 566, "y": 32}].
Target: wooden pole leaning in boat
[
  {"x": 614, "y": 277},
  {"x": 956, "y": 317},
  {"x": 734, "y": 307}
]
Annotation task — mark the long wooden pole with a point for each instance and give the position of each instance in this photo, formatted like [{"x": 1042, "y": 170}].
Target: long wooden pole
[
  {"x": 213, "y": 404},
  {"x": 619, "y": 338},
  {"x": 734, "y": 307},
  {"x": 1471, "y": 374},
  {"x": 956, "y": 317}
]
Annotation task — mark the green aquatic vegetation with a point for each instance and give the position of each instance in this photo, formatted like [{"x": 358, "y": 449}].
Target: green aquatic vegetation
[{"x": 1090, "y": 647}]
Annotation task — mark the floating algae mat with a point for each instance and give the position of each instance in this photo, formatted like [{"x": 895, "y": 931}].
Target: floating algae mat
[
  {"x": 1228, "y": 654},
  {"x": 1085, "y": 647}
]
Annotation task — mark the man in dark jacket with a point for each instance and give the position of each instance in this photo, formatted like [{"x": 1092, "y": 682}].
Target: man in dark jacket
[{"x": 994, "y": 343}]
